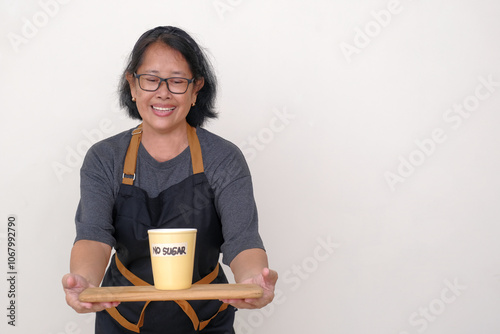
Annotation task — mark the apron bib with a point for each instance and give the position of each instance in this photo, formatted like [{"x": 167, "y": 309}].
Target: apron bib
[{"x": 188, "y": 204}]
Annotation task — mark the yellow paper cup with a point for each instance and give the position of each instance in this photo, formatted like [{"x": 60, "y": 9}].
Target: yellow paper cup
[{"x": 172, "y": 257}]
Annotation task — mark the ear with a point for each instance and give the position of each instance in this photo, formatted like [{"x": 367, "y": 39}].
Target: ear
[
  {"x": 198, "y": 84},
  {"x": 131, "y": 82}
]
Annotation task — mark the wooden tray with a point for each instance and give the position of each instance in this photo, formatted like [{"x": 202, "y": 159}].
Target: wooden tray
[{"x": 145, "y": 293}]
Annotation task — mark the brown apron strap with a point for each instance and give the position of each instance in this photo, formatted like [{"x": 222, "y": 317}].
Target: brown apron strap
[
  {"x": 132, "y": 278},
  {"x": 128, "y": 176},
  {"x": 203, "y": 324},
  {"x": 210, "y": 277},
  {"x": 183, "y": 304},
  {"x": 124, "y": 322},
  {"x": 195, "y": 148},
  {"x": 188, "y": 309},
  {"x": 130, "y": 164},
  {"x": 114, "y": 311}
]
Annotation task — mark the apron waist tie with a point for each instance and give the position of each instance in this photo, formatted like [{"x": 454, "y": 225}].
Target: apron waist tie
[{"x": 184, "y": 305}]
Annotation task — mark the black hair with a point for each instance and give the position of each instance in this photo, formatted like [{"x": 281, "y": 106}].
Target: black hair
[{"x": 198, "y": 62}]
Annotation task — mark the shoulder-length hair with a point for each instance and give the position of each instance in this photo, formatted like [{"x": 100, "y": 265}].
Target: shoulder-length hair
[{"x": 197, "y": 60}]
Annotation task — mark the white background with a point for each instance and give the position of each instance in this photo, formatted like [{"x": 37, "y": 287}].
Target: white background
[{"x": 378, "y": 202}]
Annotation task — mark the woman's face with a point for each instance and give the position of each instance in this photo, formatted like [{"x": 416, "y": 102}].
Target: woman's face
[{"x": 162, "y": 111}]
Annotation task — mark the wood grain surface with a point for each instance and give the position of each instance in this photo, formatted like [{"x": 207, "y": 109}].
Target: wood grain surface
[{"x": 145, "y": 293}]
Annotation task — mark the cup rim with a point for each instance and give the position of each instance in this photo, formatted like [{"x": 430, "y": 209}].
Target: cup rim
[{"x": 172, "y": 230}]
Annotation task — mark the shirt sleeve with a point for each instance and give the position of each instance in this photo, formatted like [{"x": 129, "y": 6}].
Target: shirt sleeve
[
  {"x": 94, "y": 213},
  {"x": 234, "y": 200}
]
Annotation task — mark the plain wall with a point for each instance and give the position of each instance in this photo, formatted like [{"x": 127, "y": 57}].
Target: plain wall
[{"x": 370, "y": 127}]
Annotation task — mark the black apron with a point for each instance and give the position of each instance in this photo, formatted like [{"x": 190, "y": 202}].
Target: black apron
[{"x": 188, "y": 204}]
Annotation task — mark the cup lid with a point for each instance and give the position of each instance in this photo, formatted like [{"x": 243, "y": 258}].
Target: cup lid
[{"x": 172, "y": 230}]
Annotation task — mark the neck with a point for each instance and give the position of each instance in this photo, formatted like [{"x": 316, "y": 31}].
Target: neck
[{"x": 163, "y": 146}]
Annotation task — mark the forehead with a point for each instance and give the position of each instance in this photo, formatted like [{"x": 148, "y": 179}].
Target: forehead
[{"x": 161, "y": 58}]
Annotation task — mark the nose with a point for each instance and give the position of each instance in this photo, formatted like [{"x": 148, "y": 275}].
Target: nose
[{"x": 163, "y": 91}]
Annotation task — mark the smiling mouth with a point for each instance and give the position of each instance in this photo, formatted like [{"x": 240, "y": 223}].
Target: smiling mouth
[{"x": 163, "y": 109}]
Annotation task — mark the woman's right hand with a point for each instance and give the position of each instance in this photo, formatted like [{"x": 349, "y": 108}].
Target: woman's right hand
[{"x": 73, "y": 285}]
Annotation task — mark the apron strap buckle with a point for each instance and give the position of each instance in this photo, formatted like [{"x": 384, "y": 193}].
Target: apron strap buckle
[{"x": 128, "y": 176}]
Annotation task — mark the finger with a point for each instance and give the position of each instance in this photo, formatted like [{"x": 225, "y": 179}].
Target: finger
[
  {"x": 239, "y": 303},
  {"x": 269, "y": 276},
  {"x": 111, "y": 304},
  {"x": 233, "y": 302},
  {"x": 71, "y": 281},
  {"x": 249, "y": 303},
  {"x": 95, "y": 307},
  {"x": 68, "y": 281},
  {"x": 87, "y": 306},
  {"x": 102, "y": 306}
]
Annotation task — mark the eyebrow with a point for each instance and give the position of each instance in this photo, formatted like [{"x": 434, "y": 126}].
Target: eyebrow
[{"x": 155, "y": 72}]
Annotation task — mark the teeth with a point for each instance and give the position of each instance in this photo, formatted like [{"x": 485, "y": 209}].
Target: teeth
[{"x": 164, "y": 109}]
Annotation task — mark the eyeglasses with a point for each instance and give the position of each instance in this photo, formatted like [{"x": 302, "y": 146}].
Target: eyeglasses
[{"x": 151, "y": 83}]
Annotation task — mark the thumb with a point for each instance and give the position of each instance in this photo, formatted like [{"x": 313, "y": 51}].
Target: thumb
[
  {"x": 270, "y": 276},
  {"x": 71, "y": 281},
  {"x": 68, "y": 281}
]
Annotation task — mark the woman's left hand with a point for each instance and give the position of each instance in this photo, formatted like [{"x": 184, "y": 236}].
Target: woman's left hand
[{"x": 266, "y": 280}]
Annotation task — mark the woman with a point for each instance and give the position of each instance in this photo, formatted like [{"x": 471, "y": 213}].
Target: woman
[{"x": 168, "y": 172}]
